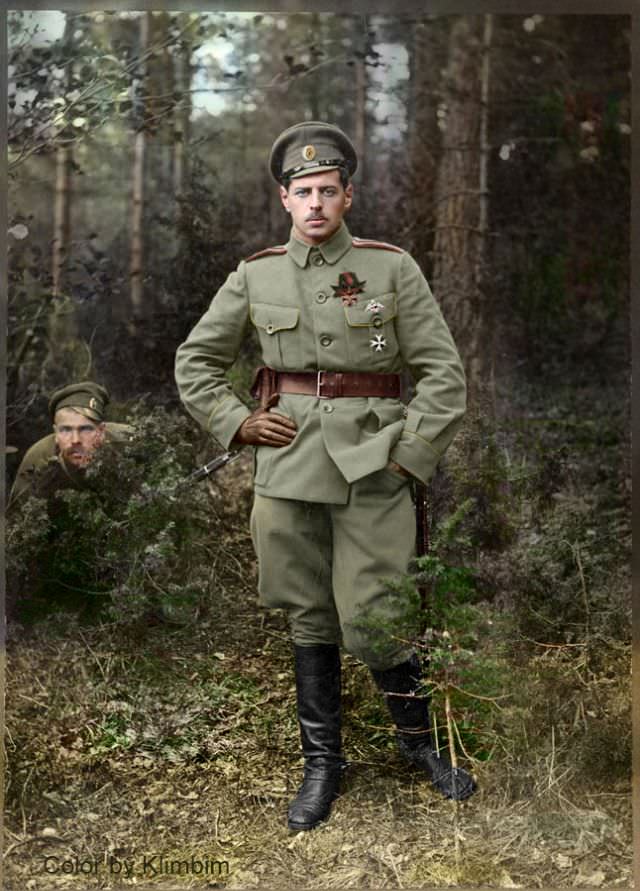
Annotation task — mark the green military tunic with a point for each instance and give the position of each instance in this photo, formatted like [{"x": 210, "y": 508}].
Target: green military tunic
[
  {"x": 293, "y": 296},
  {"x": 43, "y": 471},
  {"x": 330, "y": 521}
]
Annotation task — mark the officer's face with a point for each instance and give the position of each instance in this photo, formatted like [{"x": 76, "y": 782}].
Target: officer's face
[
  {"x": 77, "y": 437},
  {"x": 317, "y": 204}
]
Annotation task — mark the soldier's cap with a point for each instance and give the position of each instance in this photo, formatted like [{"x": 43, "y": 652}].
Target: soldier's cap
[
  {"x": 311, "y": 147},
  {"x": 86, "y": 397}
]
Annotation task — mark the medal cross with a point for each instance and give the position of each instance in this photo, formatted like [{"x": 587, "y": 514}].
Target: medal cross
[{"x": 378, "y": 343}]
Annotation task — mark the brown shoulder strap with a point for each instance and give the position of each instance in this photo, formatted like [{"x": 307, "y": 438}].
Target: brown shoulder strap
[
  {"x": 267, "y": 252},
  {"x": 376, "y": 245}
]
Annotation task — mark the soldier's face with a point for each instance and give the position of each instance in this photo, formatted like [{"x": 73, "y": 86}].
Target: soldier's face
[
  {"x": 317, "y": 204},
  {"x": 77, "y": 437}
]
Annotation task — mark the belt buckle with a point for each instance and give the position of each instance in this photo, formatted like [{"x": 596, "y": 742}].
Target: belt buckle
[{"x": 319, "y": 386}]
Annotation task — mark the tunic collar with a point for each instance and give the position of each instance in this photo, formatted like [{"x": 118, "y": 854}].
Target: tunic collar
[{"x": 331, "y": 250}]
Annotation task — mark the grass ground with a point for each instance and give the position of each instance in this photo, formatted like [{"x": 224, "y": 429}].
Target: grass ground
[
  {"x": 157, "y": 754},
  {"x": 181, "y": 743}
]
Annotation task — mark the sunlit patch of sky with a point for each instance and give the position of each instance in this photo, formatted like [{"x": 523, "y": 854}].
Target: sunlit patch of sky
[
  {"x": 212, "y": 98},
  {"x": 44, "y": 26},
  {"x": 393, "y": 69}
]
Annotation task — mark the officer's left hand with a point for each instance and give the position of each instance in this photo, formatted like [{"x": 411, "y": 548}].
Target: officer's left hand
[{"x": 392, "y": 465}]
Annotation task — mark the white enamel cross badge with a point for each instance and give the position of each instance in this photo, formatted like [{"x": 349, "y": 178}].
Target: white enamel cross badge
[{"x": 378, "y": 343}]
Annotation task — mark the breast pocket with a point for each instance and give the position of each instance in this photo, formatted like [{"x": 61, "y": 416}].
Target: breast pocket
[
  {"x": 371, "y": 332},
  {"x": 279, "y": 335}
]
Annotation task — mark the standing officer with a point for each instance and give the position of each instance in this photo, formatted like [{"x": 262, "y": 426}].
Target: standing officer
[
  {"x": 338, "y": 319},
  {"x": 59, "y": 460}
]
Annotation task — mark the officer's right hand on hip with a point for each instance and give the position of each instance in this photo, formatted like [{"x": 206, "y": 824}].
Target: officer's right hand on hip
[{"x": 264, "y": 428}]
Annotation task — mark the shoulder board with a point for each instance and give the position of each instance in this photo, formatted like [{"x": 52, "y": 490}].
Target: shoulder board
[
  {"x": 376, "y": 245},
  {"x": 267, "y": 252}
]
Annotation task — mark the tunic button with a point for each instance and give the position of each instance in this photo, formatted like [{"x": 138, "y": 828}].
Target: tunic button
[
  {"x": 270, "y": 329},
  {"x": 377, "y": 322},
  {"x": 321, "y": 298},
  {"x": 326, "y": 407},
  {"x": 318, "y": 261},
  {"x": 325, "y": 340}
]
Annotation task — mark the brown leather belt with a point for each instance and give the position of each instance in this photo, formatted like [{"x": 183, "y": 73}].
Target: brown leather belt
[{"x": 325, "y": 384}]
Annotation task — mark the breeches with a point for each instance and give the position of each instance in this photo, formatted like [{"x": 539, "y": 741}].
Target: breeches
[{"x": 329, "y": 566}]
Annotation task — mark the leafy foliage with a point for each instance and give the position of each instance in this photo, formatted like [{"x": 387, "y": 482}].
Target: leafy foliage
[
  {"x": 440, "y": 610},
  {"x": 135, "y": 543}
]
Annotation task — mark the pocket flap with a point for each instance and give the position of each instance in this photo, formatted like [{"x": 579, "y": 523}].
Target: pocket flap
[
  {"x": 272, "y": 318},
  {"x": 367, "y": 312}
]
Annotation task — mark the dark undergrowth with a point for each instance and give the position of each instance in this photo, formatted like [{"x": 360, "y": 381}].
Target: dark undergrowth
[{"x": 155, "y": 716}]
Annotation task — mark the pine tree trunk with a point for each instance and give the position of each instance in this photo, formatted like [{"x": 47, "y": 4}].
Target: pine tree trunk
[
  {"x": 422, "y": 75},
  {"x": 182, "y": 114},
  {"x": 360, "y": 128},
  {"x": 62, "y": 199},
  {"x": 461, "y": 201},
  {"x": 315, "y": 86},
  {"x": 422, "y": 138},
  {"x": 61, "y": 219},
  {"x": 62, "y": 323},
  {"x": 137, "y": 191}
]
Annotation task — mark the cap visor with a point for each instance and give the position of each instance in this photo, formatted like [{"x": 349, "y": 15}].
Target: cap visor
[{"x": 320, "y": 168}]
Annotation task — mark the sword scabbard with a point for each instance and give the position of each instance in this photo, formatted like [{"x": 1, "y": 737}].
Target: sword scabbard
[{"x": 422, "y": 543}]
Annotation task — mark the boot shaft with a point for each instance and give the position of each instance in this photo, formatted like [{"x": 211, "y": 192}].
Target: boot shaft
[
  {"x": 318, "y": 693},
  {"x": 400, "y": 684}
]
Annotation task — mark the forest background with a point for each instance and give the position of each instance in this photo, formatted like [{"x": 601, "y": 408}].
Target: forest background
[{"x": 496, "y": 150}]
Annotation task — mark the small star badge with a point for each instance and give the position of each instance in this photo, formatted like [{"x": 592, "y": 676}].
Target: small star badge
[
  {"x": 378, "y": 343},
  {"x": 374, "y": 306}
]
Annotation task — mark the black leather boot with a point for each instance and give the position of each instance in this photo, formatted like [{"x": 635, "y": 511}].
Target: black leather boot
[
  {"x": 410, "y": 714},
  {"x": 318, "y": 695}
]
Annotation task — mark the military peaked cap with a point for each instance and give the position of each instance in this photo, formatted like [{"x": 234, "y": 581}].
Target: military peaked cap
[
  {"x": 310, "y": 147},
  {"x": 88, "y": 398}
]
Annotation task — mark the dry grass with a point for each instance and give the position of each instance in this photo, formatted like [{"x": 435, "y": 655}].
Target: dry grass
[{"x": 183, "y": 742}]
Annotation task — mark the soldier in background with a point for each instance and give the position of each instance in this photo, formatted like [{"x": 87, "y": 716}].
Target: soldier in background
[
  {"x": 339, "y": 319},
  {"x": 59, "y": 460}
]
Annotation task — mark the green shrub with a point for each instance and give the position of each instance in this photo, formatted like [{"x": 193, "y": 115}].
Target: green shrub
[
  {"x": 135, "y": 543},
  {"x": 451, "y": 628}
]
